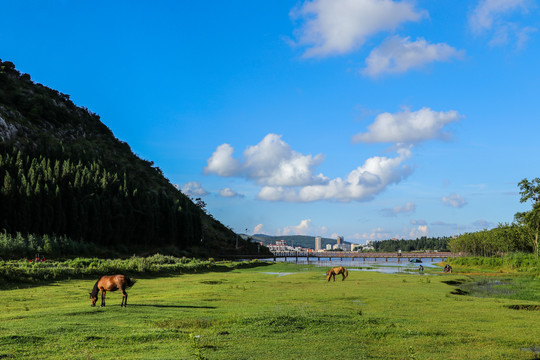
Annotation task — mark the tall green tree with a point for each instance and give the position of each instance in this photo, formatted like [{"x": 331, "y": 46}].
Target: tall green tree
[{"x": 530, "y": 191}]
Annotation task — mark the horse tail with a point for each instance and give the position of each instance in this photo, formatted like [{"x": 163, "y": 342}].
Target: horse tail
[{"x": 130, "y": 282}]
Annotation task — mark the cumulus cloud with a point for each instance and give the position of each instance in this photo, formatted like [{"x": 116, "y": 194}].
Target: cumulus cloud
[
  {"x": 492, "y": 17},
  {"x": 222, "y": 162},
  {"x": 408, "y": 208},
  {"x": 408, "y": 127},
  {"x": 301, "y": 229},
  {"x": 398, "y": 55},
  {"x": 194, "y": 188},
  {"x": 270, "y": 162},
  {"x": 419, "y": 231},
  {"x": 454, "y": 200},
  {"x": 286, "y": 175},
  {"x": 331, "y": 27},
  {"x": 228, "y": 192},
  {"x": 361, "y": 184},
  {"x": 258, "y": 229}
]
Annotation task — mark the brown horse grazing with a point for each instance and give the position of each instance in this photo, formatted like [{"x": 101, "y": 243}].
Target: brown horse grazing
[
  {"x": 111, "y": 283},
  {"x": 336, "y": 271}
]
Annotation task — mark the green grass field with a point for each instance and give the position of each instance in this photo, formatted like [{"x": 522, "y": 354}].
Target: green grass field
[{"x": 260, "y": 313}]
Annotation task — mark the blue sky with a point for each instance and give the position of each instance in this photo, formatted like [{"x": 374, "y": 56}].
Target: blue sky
[{"x": 369, "y": 119}]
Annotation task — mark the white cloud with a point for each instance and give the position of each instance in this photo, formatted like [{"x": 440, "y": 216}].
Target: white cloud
[
  {"x": 301, "y": 229},
  {"x": 454, "y": 200},
  {"x": 408, "y": 208},
  {"x": 273, "y": 162},
  {"x": 492, "y": 17},
  {"x": 418, "y": 222},
  {"x": 361, "y": 184},
  {"x": 398, "y": 55},
  {"x": 270, "y": 162},
  {"x": 228, "y": 192},
  {"x": 258, "y": 229},
  {"x": 194, "y": 188},
  {"x": 408, "y": 127},
  {"x": 375, "y": 234},
  {"x": 340, "y": 26},
  {"x": 222, "y": 163},
  {"x": 286, "y": 175},
  {"x": 489, "y": 12},
  {"x": 419, "y": 231},
  {"x": 523, "y": 35}
]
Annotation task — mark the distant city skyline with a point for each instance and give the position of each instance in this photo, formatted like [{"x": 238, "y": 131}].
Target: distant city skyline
[{"x": 367, "y": 119}]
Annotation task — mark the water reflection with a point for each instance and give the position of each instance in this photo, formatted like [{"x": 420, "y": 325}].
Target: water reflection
[{"x": 387, "y": 266}]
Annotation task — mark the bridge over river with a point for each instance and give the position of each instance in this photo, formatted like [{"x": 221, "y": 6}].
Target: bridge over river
[{"x": 348, "y": 255}]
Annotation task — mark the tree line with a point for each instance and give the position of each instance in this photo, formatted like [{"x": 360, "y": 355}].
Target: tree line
[
  {"x": 423, "y": 243},
  {"x": 88, "y": 202},
  {"x": 519, "y": 236},
  {"x": 505, "y": 238}
]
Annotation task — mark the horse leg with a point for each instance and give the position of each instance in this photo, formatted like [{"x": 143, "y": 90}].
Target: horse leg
[
  {"x": 103, "y": 298},
  {"x": 124, "y": 298},
  {"x": 334, "y": 276}
]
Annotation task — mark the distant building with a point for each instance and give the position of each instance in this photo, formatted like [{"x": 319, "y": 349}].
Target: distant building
[
  {"x": 318, "y": 243},
  {"x": 340, "y": 240},
  {"x": 328, "y": 246},
  {"x": 356, "y": 247},
  {"x": 343, "y": 247}
]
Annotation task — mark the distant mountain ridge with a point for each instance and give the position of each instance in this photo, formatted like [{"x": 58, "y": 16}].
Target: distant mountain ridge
[
  {"x": 304, "y": 241},
  {"x": 63, "y": 172}
]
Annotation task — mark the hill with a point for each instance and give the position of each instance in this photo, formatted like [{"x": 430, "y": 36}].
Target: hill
[
  {"x": 63, "y": 172},
  {"x": 294, "y": 240}
]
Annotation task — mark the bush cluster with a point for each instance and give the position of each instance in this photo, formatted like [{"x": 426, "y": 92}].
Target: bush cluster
[
  {"x": 520, "y": 262},
  {"x": 31, "y": 271}
]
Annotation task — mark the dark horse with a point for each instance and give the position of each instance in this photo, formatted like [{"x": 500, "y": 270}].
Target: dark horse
[
  {"x": 111, "y": 283},
  {"x": 336, "y": 271}
]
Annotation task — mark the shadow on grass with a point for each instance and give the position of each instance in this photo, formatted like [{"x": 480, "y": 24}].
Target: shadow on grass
[{"x": 173, "y": 306}]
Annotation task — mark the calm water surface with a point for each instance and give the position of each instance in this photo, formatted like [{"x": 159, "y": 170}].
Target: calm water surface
[{"x": 391, "y": 266}]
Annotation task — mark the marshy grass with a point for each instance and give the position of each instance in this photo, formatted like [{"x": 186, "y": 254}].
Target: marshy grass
[{"x": 254, "y": 313}]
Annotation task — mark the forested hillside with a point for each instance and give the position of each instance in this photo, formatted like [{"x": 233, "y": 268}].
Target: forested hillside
[{"x": 63, "y": 172}]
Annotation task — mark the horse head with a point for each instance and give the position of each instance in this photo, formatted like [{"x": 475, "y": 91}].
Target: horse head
[{"x": 93, "y": 299}]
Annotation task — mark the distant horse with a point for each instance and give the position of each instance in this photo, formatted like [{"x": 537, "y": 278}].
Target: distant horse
[
  {"x": 336, "y": 271},
  {"x": 111, "y": 283}
]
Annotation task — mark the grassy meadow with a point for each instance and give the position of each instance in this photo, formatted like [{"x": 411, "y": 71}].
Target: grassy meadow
[{"x": 281, "y": 311}]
